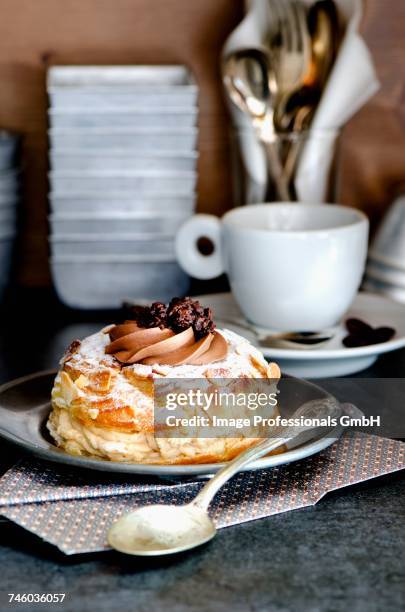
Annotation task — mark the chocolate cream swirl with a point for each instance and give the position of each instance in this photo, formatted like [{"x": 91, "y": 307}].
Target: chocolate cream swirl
[{"x": 133, "y": 344}]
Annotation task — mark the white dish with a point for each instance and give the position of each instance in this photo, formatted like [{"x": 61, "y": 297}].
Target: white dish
[
  {"x": 156, "y": 98},
  {"x": 137, "y": 183},
  {"x": 105, "y": 281},
  {"x": 101, "y": 87},
  {"x": 332, "y": 358},
  {"x": 134, "y": 140},
  {"x": 116, "y": 223},
  {"x": 121, "y": 117},
  {"x": 100, "y": 204},
  {"x": 119, "y": 160},
  {"x": 105, "y": 244},
  {"x": 155, "y": 76}
]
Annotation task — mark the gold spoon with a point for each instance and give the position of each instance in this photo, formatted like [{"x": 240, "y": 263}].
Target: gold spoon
[
  {"x": 323, "y": 24},
  {"x": 324, "y": 31}
]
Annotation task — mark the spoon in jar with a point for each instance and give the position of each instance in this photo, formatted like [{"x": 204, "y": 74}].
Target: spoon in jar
[
  {"x": 167, "y": 529},
  {"x": 251, "y": 85},
  {"x": 323, "y": 30},
  {"x": 323, "y": 23}
]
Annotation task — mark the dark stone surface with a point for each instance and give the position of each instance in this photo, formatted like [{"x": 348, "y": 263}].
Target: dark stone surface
[{"x": 347, "y": 552}]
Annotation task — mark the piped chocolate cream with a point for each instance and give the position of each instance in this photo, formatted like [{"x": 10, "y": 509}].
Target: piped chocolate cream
[{"x": 179, "y": 334}]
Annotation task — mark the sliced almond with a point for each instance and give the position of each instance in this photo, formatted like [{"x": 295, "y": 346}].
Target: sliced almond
[
  {"x": 82, "y": 381},
  {"x": 137, "y": 374},
  {"x": 159, "y": 370},
  {"x": 68, "y": 388},
  {"x": 219, "y": 376},
  {"x": 100, "y": 380},
  {"x": 72, "y": 371},
  {"x": 259, "y": 365},
  {"x": 111, "y": 363},
  {"x": 273, "y": 371}
]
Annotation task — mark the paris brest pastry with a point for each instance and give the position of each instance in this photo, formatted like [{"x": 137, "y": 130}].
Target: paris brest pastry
[{"x": 103, "y": 395}]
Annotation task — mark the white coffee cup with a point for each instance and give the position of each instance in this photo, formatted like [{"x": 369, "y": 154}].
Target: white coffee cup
[{"x": 294, "y": 267}]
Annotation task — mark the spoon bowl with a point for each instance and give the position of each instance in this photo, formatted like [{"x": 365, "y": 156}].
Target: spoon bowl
[
  {"x": 323, "y": 25},
  {"x": 245, "y": 76},
  {"x": 161, "y": 530}
]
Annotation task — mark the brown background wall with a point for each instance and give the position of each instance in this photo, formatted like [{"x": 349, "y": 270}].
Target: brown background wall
[{"x": 34, "y": 33}]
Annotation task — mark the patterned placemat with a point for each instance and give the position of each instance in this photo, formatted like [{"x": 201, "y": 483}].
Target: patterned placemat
[{"x": 73, "y": 511}]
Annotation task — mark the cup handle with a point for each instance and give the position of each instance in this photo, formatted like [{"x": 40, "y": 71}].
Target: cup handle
[{"x": 188, "y": 255}]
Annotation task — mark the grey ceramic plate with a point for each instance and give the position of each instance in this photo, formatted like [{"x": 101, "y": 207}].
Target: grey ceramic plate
[{"x": 25, "y": 405}]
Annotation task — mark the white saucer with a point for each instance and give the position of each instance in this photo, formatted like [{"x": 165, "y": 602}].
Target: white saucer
[{"x": 331, "y": 358}]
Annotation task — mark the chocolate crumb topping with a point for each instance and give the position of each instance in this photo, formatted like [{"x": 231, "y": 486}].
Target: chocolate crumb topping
[
  {"x": 179, "y": 315},
  {"x": 150, "y": 316},
  {"x": 159, "y": 314},
  {"x": 185, "y": 313}
]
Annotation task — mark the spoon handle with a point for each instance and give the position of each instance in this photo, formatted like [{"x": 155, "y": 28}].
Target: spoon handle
[
  {"x": 275, "y": 170},
  {"x": 204, "y": 497},
  {"x": 321, "y": 409}
]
